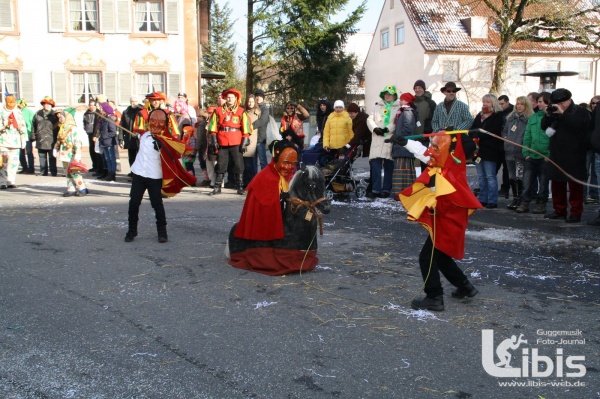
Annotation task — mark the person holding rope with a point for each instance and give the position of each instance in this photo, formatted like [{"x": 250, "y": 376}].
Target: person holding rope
[
  {"x": 441, "y": 201},
  {"x": 566, "y": 124},
  {"x": 158, "y": 170}
]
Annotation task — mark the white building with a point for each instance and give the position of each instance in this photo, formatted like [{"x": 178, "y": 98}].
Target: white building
[
  {"x": 440, "y": 41},
  {"x": 72, "y": 50}
]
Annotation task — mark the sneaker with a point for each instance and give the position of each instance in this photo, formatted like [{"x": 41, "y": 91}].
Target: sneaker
[
  {"x": 468, "y": 290},
  {"x": 554, "y": 216},
  {"x": 435, "y": 304}
]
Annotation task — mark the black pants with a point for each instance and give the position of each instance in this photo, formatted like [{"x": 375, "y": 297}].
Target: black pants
[
  {"x": 47, "y": 159},
  {"x": 440, "y": 263},
  {"x": 97, "y": 159},
  {"x": 234, "y": 153},
  {"x": 139, "y": 185}
]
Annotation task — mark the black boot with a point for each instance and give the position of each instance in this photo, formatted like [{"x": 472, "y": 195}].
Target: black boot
[
  {"x": 104, "y": 175},
  {"x": 162, "y": 234},
  {"x": 467, "y": 290},
  {"x": 112, "y": 177},
  {"x": 218, "y": 181},
  {"x": 130, "y": 235},
  {"x": 240, "y": 185},
  {"x": 436, "y": 304},
  {"x": 516, "y": 196}
]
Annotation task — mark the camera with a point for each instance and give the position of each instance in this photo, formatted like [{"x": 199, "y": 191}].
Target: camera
[{"x": 552, "y": 108}]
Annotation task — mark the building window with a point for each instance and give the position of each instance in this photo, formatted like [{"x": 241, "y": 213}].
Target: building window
[
  {"x": 517, "y": 68},
  {"x": 450, "y": 72},
  {"x": 150, "y": 82},
  {"x": 400, "y": 34},
  {"x": 10, "y": 84},
  {"x": 385, "y": 38},
  {"x": 86, "y": 86},
  {"x": 585, "y": 70},
  {"x": 83, "y": 15},
  {"x": 8, "y": 23},
  {"x": 552, "y": 65},
  {"x": 484, "y": 70},
  {"x": 148, "y": 16}
]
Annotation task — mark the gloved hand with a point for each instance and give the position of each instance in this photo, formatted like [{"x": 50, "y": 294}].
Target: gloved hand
[
  {"x": 213, "y": 141},
  {"x": 474, "y": 133},
  {"x": 245, "y": 144},
  {"x": 342, "y": 151},
  {"x": 550, "y": 131},
  {"x": 380, "y": 132},
  {"x": 397, "y": 140}
]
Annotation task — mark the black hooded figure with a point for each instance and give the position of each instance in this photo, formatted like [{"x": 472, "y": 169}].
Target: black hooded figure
[{"x": 322, "y": 115}]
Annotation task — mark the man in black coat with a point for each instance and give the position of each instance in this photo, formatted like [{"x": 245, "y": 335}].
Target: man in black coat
[
  {"x": 130, "y": 142},
  {"x": 90, "y": 122},
  {"x": 566, "y": 124}
]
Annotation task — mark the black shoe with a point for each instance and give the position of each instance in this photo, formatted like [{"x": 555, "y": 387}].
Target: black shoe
[
  {"x": 594, "y": 222},
  {"x": 372, "y": 195},
  {"x": 69, "y": 194},
  {"x": 11, "y": 186},
  {"x": 162, "y": 238},
  {"x": 23, "y": 171},
  {"x": 491, "y": 206},
  {"x": 215, "y": 191},
  {"x": 483, "y": 204},
  {"x": 436, "y": 304},
  {"x": 514, "y": 204},
  {"x": 103, "y": 176},
  {"x": 3, "y": 187},
  {"x": 554, "y": 216},
  {"x": 384, "y": 195},
  {"x": 468, "y": 290},
  {"x": 130, "y": 236},
  {"x": 241, "y": 191},
  {"x": 573, "y": 219}
]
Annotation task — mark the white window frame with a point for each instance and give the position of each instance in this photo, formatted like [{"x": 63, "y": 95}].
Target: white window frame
[
  {"x": 450, "y": 70},
  {"x": 516, "y": 73},
  {"x": 400, "y": 33},
  {"x": 586, "y": 68},
  {"x": 83, "y": 16},
  {"x": 385, "y": 38},
  {"x": 92, "y": 86},
  {"x": 485, "y": 70},
  {"x": 12, "y": 85},
  {"x": 148, "y": 16},
  {"x": 145, "y": 85}
]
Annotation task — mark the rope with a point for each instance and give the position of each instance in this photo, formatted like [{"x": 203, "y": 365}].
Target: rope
[{"x": 297, "y": 203}]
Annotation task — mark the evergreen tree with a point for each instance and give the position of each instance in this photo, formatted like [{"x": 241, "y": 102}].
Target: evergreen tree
[{"x": 219, "y": 56}]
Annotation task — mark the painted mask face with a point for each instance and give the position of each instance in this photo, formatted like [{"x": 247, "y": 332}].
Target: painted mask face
[
  {"x": 438, "y": 151},
  {"x": 157, "y": 122},
  {"x": 287, "y": 162},
  {"x": 10, "y": 102}
]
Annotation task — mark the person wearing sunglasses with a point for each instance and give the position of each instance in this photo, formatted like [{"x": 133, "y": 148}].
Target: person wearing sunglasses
[{"x": 451, "y": 114}]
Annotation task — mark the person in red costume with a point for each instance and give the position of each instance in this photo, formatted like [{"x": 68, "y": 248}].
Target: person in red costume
[
  {"x": 157, "y": 169},
  {"x": 441, "y": 201},
  {"x": 270, "y": 238}
]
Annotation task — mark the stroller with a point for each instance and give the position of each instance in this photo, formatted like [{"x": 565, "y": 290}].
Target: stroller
[{"x": 339, "y": 176}]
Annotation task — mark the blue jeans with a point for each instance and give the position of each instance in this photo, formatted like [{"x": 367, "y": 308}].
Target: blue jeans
[
  {"x": 47, "y": 159},
  {"x": 377, "y": 165},
  {"x": 535, "y": 169},
  {"x": 261, "y": 152},
  {"x": 488, "y": 182},
  {"x": 111, "y": 158}
]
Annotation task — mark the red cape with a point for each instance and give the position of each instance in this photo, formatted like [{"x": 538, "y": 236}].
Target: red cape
[
  {"x": 261, "y": 217},
  {"x": 454, "y": 204},
  {"x": 175, "y": 177}
]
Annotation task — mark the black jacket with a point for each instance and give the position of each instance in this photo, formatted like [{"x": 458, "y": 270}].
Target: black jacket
[
  {"x": 490, "y": 148},
  {"x": 45, "y": 129},
  {"x": 127, "y": 120}
]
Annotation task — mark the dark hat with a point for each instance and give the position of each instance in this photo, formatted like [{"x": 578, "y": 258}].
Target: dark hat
[
  {"x": 181, "y": 95},
  {"x": 420, "y": 83},
  {"x": 259, "y": 92},
  {"x": 352, "y": 107},
  {"x": 560, "y": 95},
  {"x": 451, "y": 86}
]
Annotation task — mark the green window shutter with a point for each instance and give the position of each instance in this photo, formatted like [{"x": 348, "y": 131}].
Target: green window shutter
[
  {"x": 110, "y": 86},
  {"x": 56, "y": 16},
  {"x": 107, "y": 16},
  {"x": 125, "y": 88},
  {"x": 60, "y": 88},
  {"x": 171, "y": 17}
]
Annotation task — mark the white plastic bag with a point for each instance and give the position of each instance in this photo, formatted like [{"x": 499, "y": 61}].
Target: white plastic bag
[
  {"x": 272, "y": 131},
  {"x": 97, "y": 147}
]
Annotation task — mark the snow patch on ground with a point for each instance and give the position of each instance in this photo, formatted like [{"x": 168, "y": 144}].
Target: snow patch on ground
[{"x": 497, "y": 235}]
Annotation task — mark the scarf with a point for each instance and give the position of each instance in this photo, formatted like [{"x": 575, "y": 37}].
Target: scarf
[{"x": 387, "y": 112}]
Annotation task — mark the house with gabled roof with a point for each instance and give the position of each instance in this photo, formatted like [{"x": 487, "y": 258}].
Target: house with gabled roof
[{"x": 440, "y": 41}]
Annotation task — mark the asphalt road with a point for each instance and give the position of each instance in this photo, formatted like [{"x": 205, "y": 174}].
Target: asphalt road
[{"x": 85, "y": 315}]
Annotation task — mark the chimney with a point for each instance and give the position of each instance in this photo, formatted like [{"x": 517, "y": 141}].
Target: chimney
[{"x": 477, "y": 27}]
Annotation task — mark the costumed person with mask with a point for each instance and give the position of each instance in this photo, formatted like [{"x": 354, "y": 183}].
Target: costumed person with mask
[
  {"x": 13, "y": 138},
  {"x": 229, "y": 129},
  {"x": 441, "y": 201},
  {"x": 156, "y": 100},
  {"x": 250, "y": 242},
  {"x": 157, "y": 169},
  {"x": 68, "y": 151}
]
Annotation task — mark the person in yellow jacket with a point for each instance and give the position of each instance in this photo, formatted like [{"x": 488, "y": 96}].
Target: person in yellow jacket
[{"x": 338, "y": 129}]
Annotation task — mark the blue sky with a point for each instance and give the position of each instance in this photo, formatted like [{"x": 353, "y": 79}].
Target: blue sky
[{"x": 367, "y": 24}]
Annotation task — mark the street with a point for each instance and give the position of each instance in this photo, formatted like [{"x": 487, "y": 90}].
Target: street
[{"x": 85, "y": 315}]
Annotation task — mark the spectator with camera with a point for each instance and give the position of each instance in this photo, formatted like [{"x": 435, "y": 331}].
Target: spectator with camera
[{"x": 566, "y": 124}]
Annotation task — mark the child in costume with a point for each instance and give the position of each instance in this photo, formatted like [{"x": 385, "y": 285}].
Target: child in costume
[
  {"x": 68, "y": 149},
  {"x": 441, "y": 201}
]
